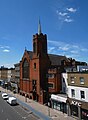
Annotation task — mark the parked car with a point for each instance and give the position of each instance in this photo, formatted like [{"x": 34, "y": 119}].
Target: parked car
[
  {"x": 12, "y": 100},
  {"x": 5, "y": 96}
]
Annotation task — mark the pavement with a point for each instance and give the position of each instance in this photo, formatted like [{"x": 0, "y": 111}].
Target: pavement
[{"x": 42, "y": 111}]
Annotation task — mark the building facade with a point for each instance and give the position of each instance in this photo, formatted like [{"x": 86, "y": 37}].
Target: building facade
[
  {"x": 78, "y": 94},
  {"x": 40, "y": 72},
  {"x": 6, "y": 75},
  {"x": 33, "y": 70},
  {"x": 73, "y": 99}
]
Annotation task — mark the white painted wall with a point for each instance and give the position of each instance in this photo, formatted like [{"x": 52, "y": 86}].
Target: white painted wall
[
  {"x": 58, "y": 98},
  {"x": 64, "y": 84},
  {"x": 77, "y": 93},
  {"x": 77, "y": 89}
]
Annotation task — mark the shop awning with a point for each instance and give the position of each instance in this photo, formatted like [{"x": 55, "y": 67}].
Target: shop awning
[{"x": 59, "y": 98}]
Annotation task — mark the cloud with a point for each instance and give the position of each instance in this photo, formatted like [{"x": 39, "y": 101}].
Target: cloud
[
  {"x": 65, "y": 15},
  {"x": 84, "y": 49},
  {"x": 62, "y": 14},
  {"x": 72, "y": 10},
  {"x": 6, "y": 50},
  {"x": 8, "y": 65},
  {"x": 4, "y": 46},
  {"x": 74, "y": 52},
  {"x": 64, "y": 48},
  {"x": 70, "y": 50},
  {"x": 1, "y": 47},
  {"x": 68, "y": 20},
  {"x": 51, "y": 49}
]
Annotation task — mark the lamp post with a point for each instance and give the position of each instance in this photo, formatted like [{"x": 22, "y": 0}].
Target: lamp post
[
  {"x": 48, "y": 108},
  {"x": 26, "y": 93},
  {"x": 25, "y": 97}
]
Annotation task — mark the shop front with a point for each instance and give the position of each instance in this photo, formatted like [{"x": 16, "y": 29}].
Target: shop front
[
  {"x": 84, "y": 114},
  {"x": 78, "y": 108},
  {"x": 74, "y": 110},
  {"x": 59, "y": 103}
]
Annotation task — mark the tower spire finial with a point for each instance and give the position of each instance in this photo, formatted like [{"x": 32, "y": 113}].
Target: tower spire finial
[{"x": 39, "y": 27}]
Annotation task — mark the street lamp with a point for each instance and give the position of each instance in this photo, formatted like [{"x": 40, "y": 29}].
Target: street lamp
[
  {"x": 26, "y": 93},
  {"x": 25, "y": 97},
  {"x": 48, "y": 108}
]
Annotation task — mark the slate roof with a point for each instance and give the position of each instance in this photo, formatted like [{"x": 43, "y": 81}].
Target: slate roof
[
  {"x": 55, "y": 59},
  {"x": 30, "y": 54}
]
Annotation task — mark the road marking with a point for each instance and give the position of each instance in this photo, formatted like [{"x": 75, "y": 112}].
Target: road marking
[
  {"x": 24, "y": 117},
  {"x": 2, "y": 110}
]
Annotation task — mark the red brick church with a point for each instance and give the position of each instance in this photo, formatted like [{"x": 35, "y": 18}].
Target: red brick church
[{"x": 40, "y": 72}]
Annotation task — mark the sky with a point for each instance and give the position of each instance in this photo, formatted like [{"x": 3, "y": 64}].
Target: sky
[{"x": 64, "y": 21}]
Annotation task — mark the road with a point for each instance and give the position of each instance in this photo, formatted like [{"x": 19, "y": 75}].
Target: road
[{"x": 8, "y": 112}]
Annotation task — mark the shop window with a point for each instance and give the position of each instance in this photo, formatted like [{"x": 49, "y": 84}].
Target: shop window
[
  {"x": 72, "y": 80},
  {"x": 74, "y": 110},
  {"x": 50, "y": 85},
  {"x": 73, "y": 92},
  {"x": 82, "y": 94},
  {"x": 81, "y": 80}
]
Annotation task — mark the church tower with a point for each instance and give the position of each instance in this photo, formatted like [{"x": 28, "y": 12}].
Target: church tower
[
  {"x": 40, "y": 62},
  {"x": 39, "y": 42}
]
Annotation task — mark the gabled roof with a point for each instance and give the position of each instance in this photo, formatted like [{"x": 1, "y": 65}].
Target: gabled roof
[
  {"x": 56, "y": 59},
  {"x": 30, "y": 54}
]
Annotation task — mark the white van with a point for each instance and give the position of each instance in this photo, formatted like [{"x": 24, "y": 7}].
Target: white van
[
  {"x": 5, "y": 96},
  {"x": 12, "y": 100}
]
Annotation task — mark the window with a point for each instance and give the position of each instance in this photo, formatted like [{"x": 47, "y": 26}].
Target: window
[
  {"x": 81, "y": 80},
  {"x": 34, "y": 88},
  {"x": 50, "y": 75},
  {"x": 63, "y": 80},
  {"x": 72, "y": 80},
  {"x": 51, "y": 85},
  {"x": 82, "y": 94},
  {"x": 34, "y": 65},
  {"x": 25, "y": 69},
  {"x": 34, "y": 47},
  {"x": 73, "y": 92},
  {"x": 33, "y": 82}
]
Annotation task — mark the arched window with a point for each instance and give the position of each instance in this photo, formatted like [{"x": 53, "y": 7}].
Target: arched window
[{"x": 25, "y": 69}]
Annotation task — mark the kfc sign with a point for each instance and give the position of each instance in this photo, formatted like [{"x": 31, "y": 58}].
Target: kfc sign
[{"x": 76, "y": 103}]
